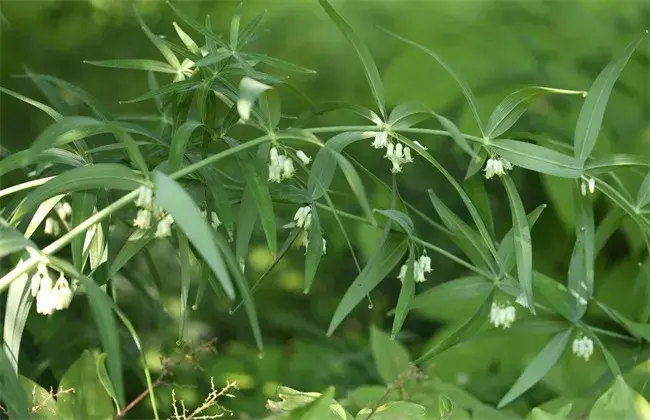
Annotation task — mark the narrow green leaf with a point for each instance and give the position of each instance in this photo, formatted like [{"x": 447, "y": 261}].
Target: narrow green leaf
[
  {"x": 100, "y": 306},
  {"x": 522, "y": 242},
  {"x": 407, "y": 115},
  {"x": 539, "y": 367},
  {"x": 19, "y": 301},
  {"x": 476, "y": 163},
  {"x": 467, "y": 239},
  {"x": 83, "y": 205},
  {"x": 314, "y": 249},
  {"x": 12, "y": 393},
  {"x": 185, "y": 86},
  {"x": 456, "y": 135},
  {"x": 180, "y": 140},
  {"x": 637, "y": 329},
  {"x": 400, "y": 218},
  {"x": 538, "y": 158},
  {"x": 173, "y": 198},
  {"x": 89, "y": 398},
  {"x": 247, "y": 217},
  {"x": 249, "y": 30},
  {"x": 406, "y": 296},
  {"x": 593, "y": 109},
  {"x": 464, "y": 288},
  {"x": 643, "y": 196},
  {"x": 158, "y": 42},
  {"x": 381, "y": 263},
  {"x": 508, "y": 112},
  {"x": 187, "y": 40},
  {"x": 615, "y": 162},
  {"x": 184, "y": 255},
  {"x": 507, "y": 246},
  {"x": 461, "y": 83},
  {"x": 610, "y": 224},
  {"x": 477, "y": 192},
  {"x": 133, "y": 151},
  {"x": 96, "y": 176},
  {"x": 277, "y": 63},
  {"x": 234, "y": 30},
  {"x": 135, "y": 64},
  {"x": 127, "y": 251},
  {"x": 391, "y": 357},
  {"x": 609, "y": 358},
  {"x": 270, "y": 109},
  {"x": 260, "y": 191},
  {"x": 356, "y": 185},
  {"x": 213, "y": 58},
  {"x": 220, "y": 199},
  {"x": 369, "y": 67},
  {"x": 578, "y": 296},
  {"x": 585, "y": 233},
  {"x": 203, "y": 30},
  {"x": 48, "y": 110},
  {"x": 463, "y": 333},
  {"x": 102, "y": 375}
]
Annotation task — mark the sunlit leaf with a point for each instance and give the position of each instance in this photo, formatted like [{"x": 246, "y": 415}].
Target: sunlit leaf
[{"x": 48, "y": 110}]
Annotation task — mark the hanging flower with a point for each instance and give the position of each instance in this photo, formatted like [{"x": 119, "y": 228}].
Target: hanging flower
[
  {"x": 143, "y": 220},
  {"x": 589, "y": 185},
  {"x": 303, "y": 217},
  {"x": 37, "y": 278},
  {"x": 502, "y": 315},
  {"x": 61, "y": 295},
  {"x": 164, "y": 227},
  {"x": 63, "y": 210},
  {"x": 281, "y": 166},
  {"x": 303, "y": 157},
  {"x": 381, "y": 140},
  {"x": 44, "y": 302},
  {"x": 583, "y": 347},
  {"x": 145, "y": 198},
  {"x": 421, "y": 266},
  {"x": 52, "y": 227}
]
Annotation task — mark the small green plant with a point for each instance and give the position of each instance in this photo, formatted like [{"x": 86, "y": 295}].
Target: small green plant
[{"x": 198, "y": 179}]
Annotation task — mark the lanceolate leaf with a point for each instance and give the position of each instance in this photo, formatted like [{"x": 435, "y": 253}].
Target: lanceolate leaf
[
  {"x": 466, "y": 239},
  {"x": 246, "y": 219},
  {"x": 12, "y": 241},
  {"x": 455, "y": 290},
  {"x": 463, "y": 333},
  {"x": 538, "y": 158},
  {"x": 97, "y": 176},
  {"x": 593, "y": 109},
  {"x": 615, "y": 162},
  {"x": 173, "y": 198},
  {"x": 586, "y": 233},
  {"x": 48, "y": 110},
  {"x": 158, "y": 42},
  {"x": 391, "y": 358},
  {"x": 372, "y": 74},
  {"x": 538, "y": 368},
  {"x": 83, "y": 205},
  {"x": 19, "y": 301},
  {"x": 507, "y": 246},
  {"x": 514, "y": 105},
  {"x": 381, "y": 263},
  {"x": 401, "y": 219},
  {"x": 522, "y": 241},
  {"x": 135, "y": 64},
  {"x": 180, "y": 140},
  {"x": 184, "y": 255},
  {"x": 406, "y": 295},
  {"x": 578, "y": 295},
  {"x": 11, "y": 393},
  {"x": 643, "y": 197}
]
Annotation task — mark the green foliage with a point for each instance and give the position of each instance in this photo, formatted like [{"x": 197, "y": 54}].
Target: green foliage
[{"x": 549, "y": 322}]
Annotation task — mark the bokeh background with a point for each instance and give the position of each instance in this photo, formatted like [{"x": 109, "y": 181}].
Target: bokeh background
[{"x": 496, "y": 46}]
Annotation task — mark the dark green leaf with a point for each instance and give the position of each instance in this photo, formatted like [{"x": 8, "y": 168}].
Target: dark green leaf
[
  {"x": 19, "y": 301},
  {"x": 643, "y": 197},
  {"x": 507, "y": 246},
  {"x": 83, "y": 206},
  {"x": 184, "y": 255},
  {"x": 12, "y": 393},
  {"x": 615, "y": 162},
  {"x": 173, "y": 198},
  {"x": 400, "y": 218},
  {"x": 180, "y": 140},
  {"x": 539, "y": 367},
  {"x": 12, "y": 241}
]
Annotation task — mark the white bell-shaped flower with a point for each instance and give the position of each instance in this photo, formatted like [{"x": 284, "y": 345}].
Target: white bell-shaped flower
[
  {"x": 61, "y": 295},
  {"x": 592, "y": 185},
  {"x": 37, "y": 278},
  {"x": 495, "y": 166},
  {"x": 273, "y": 155},
  {"x": 44, "y": 302},
  {"x": 143, "y": 219},
  {"x": 303, "y": 157},
  {"x": 287, "y": 168},
  {"x": 52, "y": 227},
  {"x": 164, "y": 227},
  {"x": 63, "y": 210},
  {"x": 381, "y": 140},
  {"x": 145, "y": 197},
  {"x": 303, "y": 217}
]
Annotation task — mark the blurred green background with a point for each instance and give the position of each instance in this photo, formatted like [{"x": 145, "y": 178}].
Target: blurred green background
[{"x": 496, "y": 46}]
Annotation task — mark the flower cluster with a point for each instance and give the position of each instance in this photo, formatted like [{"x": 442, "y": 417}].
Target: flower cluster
[
  {"x": 149, "y": 210},
  {"x": 397, "y": 154},
  {"x": 50, "y": 297},
  {"x": 502, "y": 315},
  {"x": 302, "y": 220},
  {"x": 420, "y": 267},
  {"x": 496, "y": 166},
  {"x": 281, "y": 166},
  {"x": 589, "y": 185},
  {"x": 583, "y": 347}
]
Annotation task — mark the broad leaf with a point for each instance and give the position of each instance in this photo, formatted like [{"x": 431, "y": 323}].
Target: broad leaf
[{"x": 391, "y": 357}]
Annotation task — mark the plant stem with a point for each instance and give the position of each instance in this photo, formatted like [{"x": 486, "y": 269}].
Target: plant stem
[{"x": 139, "y": 398}]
